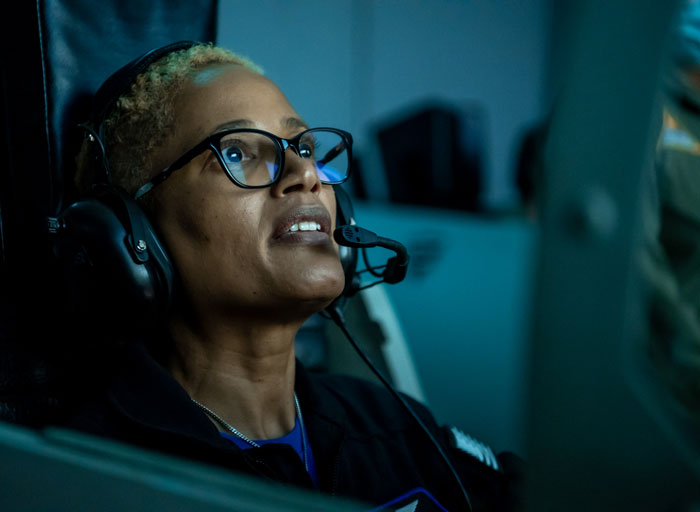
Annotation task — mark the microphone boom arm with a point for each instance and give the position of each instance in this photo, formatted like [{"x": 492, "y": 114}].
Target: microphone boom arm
[{"x": 355, "y": 236}]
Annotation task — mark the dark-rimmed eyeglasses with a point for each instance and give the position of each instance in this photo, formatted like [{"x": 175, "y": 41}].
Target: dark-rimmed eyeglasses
[{"x": 255, "y": 158}]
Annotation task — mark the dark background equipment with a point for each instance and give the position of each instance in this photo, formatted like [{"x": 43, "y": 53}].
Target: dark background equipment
[{"x": 434, "y": 157}]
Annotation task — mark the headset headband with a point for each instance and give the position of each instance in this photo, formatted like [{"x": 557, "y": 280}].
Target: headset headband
[{"x": 121, "y": 80}]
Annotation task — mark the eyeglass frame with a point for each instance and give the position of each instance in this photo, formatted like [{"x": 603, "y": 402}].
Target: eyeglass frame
[{"x": 213, "y": 141}]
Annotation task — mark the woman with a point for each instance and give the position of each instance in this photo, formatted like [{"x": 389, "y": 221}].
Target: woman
[{"x": 246, "y": 214}]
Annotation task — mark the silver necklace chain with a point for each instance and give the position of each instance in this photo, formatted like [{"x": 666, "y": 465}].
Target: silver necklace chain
[{"x": 248, "y": 440}]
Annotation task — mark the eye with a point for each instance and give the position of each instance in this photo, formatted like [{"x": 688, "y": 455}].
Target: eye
[
  {"x": 233, "y": 155},
  {"x": 308, "y": 148},
  {"x": 306, "y": 151}
]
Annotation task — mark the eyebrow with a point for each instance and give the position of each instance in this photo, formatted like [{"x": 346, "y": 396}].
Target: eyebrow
[
  {"x": 290, "y": 122},
  {"x": 295, "y": 122},
  {"x": 231, "y": 125}
]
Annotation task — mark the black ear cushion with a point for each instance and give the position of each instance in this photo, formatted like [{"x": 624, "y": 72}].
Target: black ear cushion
[
  {"x": 348, "y": 255},
  {"x": 104, "y": 275}
]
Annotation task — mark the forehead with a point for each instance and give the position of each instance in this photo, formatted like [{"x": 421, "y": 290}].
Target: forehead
[{"x": 218, "y": 96}]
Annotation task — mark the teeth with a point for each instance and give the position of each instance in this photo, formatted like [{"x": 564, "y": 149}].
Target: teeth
[{"x": 305, "y": 226}]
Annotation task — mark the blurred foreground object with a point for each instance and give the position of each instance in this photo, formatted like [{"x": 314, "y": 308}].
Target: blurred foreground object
[
  {"x": 600, "y": 435},
  {"x": 672, "y": 224}
]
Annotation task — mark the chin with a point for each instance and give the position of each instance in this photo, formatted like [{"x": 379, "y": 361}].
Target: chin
[
  {"x": 325, "y": 295},
  {"x": 319, "y": 293}
]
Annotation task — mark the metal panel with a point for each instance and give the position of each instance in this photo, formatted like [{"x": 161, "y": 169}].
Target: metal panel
[{"x": 61, "y": 470}]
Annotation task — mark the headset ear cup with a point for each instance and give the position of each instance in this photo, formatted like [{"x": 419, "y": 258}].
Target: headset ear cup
[
  {"x": 348, "y": 255},
  {"x": 109, "y": 271}
]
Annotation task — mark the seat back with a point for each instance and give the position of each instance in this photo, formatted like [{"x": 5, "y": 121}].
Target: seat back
[{"x": 56, "y": 54}]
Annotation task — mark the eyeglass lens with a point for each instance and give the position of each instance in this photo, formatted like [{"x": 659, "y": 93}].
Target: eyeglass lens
[{"x": 253, "y": 159}]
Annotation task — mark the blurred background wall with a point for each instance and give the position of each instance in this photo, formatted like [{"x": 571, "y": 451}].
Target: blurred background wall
[
  {"x": 363, "y": 65},
  {"x": 357, "y": 63}
]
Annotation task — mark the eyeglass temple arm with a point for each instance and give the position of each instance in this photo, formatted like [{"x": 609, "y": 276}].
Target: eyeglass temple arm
[
  {"x": 333, "y": 152},
  {"x": 180, "y": 162},
  {"x": 156, "y": 180}
]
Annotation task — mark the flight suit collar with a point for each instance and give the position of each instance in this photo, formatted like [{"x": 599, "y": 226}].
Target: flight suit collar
[{"x": 147, "y": 394}]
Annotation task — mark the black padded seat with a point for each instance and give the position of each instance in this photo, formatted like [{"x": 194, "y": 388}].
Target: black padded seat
[{"x": 56, "y": 53}]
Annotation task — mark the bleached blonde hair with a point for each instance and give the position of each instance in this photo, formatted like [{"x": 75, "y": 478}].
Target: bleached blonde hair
[{"x": 145, "y": 115}]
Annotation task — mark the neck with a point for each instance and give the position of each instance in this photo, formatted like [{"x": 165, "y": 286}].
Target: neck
[{"x": 244, "y": 373}]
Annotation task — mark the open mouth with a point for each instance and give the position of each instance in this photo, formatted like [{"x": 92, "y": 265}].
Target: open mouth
[
  {"x": 305, "y": 226},
  {"x": 304, "y": 223}
]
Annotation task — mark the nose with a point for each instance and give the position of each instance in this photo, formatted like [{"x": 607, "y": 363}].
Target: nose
[{"x": 298, "y": 175}]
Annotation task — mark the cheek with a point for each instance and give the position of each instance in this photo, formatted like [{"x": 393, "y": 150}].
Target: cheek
[
  {"x": 205, "y": 233},
  {"x": 232, "y": 238},
  {"x": 221, "y": 236}
]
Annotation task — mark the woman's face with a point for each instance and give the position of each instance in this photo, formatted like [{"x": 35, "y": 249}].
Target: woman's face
[{"x": 232, "y": 246}]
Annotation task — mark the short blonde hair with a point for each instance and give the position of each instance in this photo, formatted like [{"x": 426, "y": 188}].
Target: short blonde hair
[{"x": 142, "y": 117}]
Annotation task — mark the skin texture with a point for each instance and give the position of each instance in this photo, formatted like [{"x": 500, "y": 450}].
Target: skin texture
[{"x": 247, "y": 285}]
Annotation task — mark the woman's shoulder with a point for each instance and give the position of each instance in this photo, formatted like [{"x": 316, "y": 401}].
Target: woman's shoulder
[{"x": 371, "y": 411}]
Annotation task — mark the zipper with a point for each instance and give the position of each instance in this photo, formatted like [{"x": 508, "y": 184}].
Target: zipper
[
  {"x": 265, "y": 465},
  {"x": 336, "y": 468}
]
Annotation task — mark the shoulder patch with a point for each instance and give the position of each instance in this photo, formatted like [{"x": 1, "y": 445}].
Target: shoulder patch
[{"x": 467, "y": 444}]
